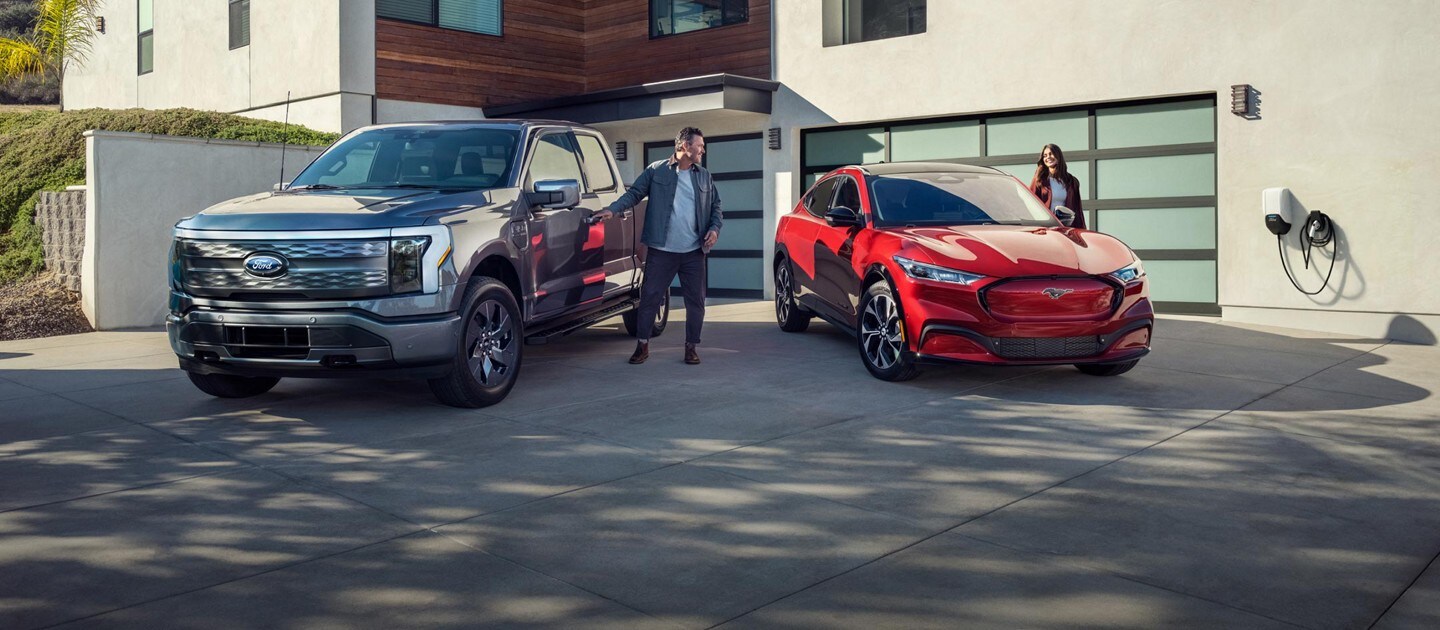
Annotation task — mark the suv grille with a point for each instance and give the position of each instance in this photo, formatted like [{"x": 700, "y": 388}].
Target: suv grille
[
  {"x": 1046, "y": 347},
  {"x": 337, "y": 269}
]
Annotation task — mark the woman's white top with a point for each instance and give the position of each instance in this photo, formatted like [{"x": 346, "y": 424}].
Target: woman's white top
[{"x": 1057, "y": 193}]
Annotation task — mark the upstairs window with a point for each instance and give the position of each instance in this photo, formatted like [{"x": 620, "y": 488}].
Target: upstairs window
[
  {"x": 475, "y": 16},
  {"x": 673, "y": 17},
  {"x": 855, "y": 21},
  {"x": 239, "y": 24},
  {"x": 145, "y": 52}
]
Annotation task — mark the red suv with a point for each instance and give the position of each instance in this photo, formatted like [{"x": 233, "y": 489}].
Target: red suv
[{"x": 947, "y": 262}]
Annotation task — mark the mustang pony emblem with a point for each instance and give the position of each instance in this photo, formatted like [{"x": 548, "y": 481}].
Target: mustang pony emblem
[{"x": 1055, "y": 294}]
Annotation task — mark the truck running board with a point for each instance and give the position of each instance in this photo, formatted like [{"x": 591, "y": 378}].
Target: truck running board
[{"x": 550, "y": 334}]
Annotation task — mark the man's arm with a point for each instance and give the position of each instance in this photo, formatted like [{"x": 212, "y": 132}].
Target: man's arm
[
  {"x": 712, "y": 233},
  {"x": 632, "y": 197}
]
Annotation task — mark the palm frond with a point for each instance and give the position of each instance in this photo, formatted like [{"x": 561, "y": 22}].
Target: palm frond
[
  {"x": 20, "y": 57},
  {"x": 65, "y": 27}
]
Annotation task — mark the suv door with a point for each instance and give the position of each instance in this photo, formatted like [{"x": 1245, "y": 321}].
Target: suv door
[
  {"x": 617, "y": 234},
  {"x": 563, "y": 270},
  {"x": 804, "y": 245},
  {"x": 836, "y": 280}
]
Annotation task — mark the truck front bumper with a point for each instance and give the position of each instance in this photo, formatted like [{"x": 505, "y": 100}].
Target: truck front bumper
[{"x": 323, "y": 344}]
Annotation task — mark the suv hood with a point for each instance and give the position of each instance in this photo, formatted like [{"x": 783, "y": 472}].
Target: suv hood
[
  {"x": 1006, "y": 250},
  {"x": 340, "y": 210}
]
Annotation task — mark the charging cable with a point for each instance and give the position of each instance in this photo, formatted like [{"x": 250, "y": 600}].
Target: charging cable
[{"x": 1318, "y": 233}]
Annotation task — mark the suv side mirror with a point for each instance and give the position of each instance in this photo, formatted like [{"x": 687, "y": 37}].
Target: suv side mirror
[
  {"x": 556, "y": 194},
  {"x": 841, "y": 216},
  {"x": 1066, "y": 215}
]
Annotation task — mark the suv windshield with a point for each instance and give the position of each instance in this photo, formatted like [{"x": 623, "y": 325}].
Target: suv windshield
[
  {"x": 955, "y": 199},
  {"x": 414, "y": 157}
]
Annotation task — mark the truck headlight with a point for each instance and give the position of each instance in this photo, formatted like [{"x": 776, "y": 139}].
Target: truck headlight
[
  {"x": 923, "y": 271},
  {"x": 1129, "y": 273},
  {"x": 406, "y": 254}
]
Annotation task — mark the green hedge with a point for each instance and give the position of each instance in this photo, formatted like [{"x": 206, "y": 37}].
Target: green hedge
[{"x": 45, "y": 150}]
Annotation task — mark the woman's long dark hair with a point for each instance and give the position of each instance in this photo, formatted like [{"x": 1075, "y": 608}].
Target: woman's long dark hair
[{"x": 1042, "y": 173}]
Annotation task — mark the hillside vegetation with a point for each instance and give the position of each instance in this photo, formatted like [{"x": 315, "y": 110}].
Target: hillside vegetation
[{"x": 45, "y": 150}]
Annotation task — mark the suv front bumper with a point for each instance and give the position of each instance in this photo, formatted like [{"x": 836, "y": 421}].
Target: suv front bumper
[{"x": 312, "y": 344}]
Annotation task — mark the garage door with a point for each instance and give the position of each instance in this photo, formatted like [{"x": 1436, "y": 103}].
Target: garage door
[
  {"x": 1146, "y": 171},
  {"x": 737, "y": 264}
]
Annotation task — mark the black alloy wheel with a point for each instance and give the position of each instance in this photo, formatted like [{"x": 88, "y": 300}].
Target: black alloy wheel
[
  {"x": 882, "y": 336},
  {"x": 787, "y": 311},
  {"x": 487, "y": 361}
]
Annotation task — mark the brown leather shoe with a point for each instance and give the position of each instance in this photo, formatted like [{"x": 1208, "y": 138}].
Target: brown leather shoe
[
  {"x": 691, "y": 356},
  {"x": 642, "y": 352}
]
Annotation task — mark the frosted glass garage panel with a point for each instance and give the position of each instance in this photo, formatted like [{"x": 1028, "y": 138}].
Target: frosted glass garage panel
[
  {"x": 740, "y": 234},
  {"x": 1166, "y": 176},
  {"x": 1026, "y": 172},
  {"x": 741, "y": 194},
  {"x": 655, "y": 154},
  {"x": 1181, "y": 280},
  {"x": 941, "y": 141},
  {"x": 733, "y": 156},
  {"x": 810, "y": 179},
  {"x": 1151, "y": 125},
  {"x": 855, "y": 146},
  {"x": 1027, "y": 135},
  {"x": 736, "y": 273},
  {"x": 1161, "y": 228}
]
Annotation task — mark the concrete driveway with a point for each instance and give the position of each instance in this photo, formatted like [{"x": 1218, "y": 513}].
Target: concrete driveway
[{"x": 1240, "y": 477}]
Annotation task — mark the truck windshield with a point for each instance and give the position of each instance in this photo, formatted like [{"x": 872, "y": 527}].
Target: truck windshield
[
  {"x": 955, "y": 199},
  {"x": 414, "y": 157}
]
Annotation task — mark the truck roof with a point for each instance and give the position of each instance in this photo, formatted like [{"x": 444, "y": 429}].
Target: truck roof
[{"x": 514, "y": 123}]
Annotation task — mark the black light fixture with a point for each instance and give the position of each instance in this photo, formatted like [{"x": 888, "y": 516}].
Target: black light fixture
[
  {"x": 1243, "y": 101},
  {"x": 772, "y": 137},
  {"x": 100, "y": 23},
  {"x": 620, "y": 151}
]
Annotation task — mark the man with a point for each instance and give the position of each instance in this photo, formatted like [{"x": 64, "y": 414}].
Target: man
[{"x": 682, "y": 223}]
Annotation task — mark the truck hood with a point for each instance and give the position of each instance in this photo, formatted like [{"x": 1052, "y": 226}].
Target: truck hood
[
  {"x": 355, "y": 209},
  {"x": 1005, "y": 250}
]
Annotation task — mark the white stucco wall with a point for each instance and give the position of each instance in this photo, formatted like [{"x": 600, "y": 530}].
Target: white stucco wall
[
  {"x": 322, "y": 52},
  {"x": 138, "y": 186},
  {"x": 1348, "y": 92}
]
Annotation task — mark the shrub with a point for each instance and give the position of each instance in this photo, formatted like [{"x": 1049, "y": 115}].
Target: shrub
[{"x": 45, "y": 150}]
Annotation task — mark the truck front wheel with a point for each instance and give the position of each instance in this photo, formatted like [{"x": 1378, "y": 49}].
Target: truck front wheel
[
  {"x": 487, "y": 361},
  {"x": 231, "y": 386}
]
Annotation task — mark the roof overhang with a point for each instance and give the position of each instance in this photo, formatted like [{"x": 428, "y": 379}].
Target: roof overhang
[{"x": 714, "y": 92}]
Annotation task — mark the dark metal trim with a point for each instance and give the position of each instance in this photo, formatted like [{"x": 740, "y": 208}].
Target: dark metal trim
[
  {"x": 735, "y": 293},
  {"x": 1186, "y": 308},
  {"x": 744, "y": 214},
  {"x": 610, "y": 99},
  {"x": 737, "y": 175},
  {"x": 737, "y": 253},
  {"x": 1176, "y": 254}
]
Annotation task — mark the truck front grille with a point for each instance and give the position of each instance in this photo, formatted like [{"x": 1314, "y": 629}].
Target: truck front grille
[{"x": 312, "y": 269}]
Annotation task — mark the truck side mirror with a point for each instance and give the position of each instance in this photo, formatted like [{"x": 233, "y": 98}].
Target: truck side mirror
[
  {"x": 1066, "y": 216},
  {"x": 556, "y": 194}
]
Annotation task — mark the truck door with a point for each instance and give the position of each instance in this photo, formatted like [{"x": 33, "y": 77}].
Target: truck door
[
  {"x": 617, "y": 233},
  {"x": 567, "y": 266}
]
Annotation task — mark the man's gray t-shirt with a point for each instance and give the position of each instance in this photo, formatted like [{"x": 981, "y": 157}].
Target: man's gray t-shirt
[{"x": 684, "y": 233}]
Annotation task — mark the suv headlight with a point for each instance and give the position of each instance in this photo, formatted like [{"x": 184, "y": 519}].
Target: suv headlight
[
  {"x": 415, "y": 258},
  {"x": 923, "y": 271},
  {"x": 1129, "y": 273}
]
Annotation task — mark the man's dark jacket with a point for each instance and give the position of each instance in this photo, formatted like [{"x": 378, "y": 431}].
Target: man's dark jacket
[{"x": 658, "y": 182}]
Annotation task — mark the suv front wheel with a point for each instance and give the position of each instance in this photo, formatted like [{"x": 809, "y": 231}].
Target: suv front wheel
[
  {"x": 882, "y": 336},
  {"x": 487, "y": 361}
]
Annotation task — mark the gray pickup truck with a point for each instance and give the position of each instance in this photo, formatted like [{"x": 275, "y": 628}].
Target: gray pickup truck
[{"x": 427, "y": 250}]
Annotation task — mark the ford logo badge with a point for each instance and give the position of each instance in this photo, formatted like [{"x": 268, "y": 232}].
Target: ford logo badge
[{"x": 263, "y": 265}]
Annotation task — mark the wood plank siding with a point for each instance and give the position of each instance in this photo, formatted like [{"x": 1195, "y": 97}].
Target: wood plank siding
[{"x": 553, "y": 48}]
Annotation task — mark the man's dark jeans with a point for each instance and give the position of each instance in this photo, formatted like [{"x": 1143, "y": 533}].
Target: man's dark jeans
[{"x": 660, "y": 270}]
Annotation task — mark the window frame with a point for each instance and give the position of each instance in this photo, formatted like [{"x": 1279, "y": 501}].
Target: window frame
[
  {"x": 246, "y": 8},
  {"x": 435, "y": 23},
  {"x": 654, "y": 25},
  {"x": 140, "y": 69},
  {"x": 609, "y": 163},
  {"x": 526, "y": 182}
]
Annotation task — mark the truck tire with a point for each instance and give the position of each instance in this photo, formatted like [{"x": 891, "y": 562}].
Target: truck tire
[
  {"x": 231, "y": 386},
  {"x": 488, "y": 352},
  {"x": 632, "y": 318}
]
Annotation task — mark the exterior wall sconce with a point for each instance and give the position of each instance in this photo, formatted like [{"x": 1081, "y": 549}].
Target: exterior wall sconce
[
  {"x": 100, "y": 24},
  {"x": 772, "y": 137},
  {"x": 620, "y": 149},
  {"x": 1245, "y": 101}
]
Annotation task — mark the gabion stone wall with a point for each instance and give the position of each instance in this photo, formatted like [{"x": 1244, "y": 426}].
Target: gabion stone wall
[{"x": 61, "y": 217}]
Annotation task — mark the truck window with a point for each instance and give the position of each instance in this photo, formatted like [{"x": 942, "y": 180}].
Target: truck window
[
  {"x": 554, "y": 159},
  {"x": 412, "y": 155},
  {"x": 597, "y": 163}
]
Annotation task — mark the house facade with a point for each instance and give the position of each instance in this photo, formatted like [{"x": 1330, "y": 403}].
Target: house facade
[{"x": 1334, "y": 104}]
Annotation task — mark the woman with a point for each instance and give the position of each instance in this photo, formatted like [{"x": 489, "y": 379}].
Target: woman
[{"x": 1054, "y": 184}]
